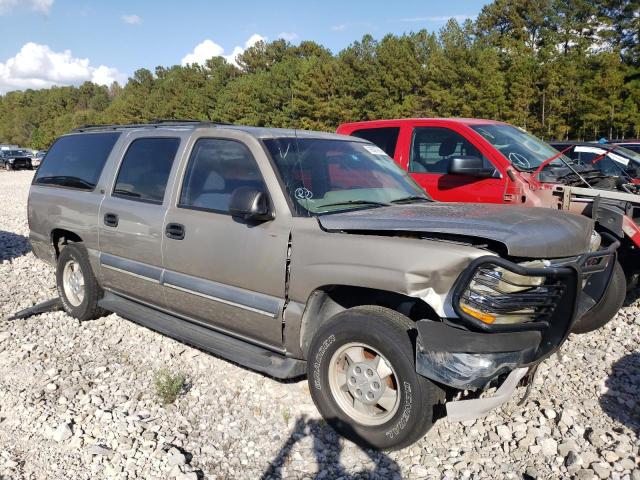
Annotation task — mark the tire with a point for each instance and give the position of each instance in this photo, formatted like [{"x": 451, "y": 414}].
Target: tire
[
  {"x": 414, "y": 399},
  {"x": 602, "y": 313},
  {"x": 8, "y": 167},
  {"x": 74, "y": 257}
]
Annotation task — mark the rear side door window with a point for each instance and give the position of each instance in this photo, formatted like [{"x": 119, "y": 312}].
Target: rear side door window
[
  {"x": 433, "y": 148},
  {"x": 386, "y": 138},
  {"x": 76, "y": 161},
  {"x": 218, "y": 167},
  {"x": 145, "y": 169}
]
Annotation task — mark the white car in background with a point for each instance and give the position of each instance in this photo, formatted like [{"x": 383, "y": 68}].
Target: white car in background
[{"x": 37, "y": 157}]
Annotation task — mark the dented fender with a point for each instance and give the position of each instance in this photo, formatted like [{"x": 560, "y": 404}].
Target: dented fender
[{"x": 419, "y": 268}]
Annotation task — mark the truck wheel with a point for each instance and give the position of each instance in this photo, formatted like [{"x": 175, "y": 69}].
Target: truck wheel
[
  {"x": 602, "y": 313},
  {"x": 77, "y": 285},
  {"x": 363, "y": 380},
  {"x": 7, "y": 167}
]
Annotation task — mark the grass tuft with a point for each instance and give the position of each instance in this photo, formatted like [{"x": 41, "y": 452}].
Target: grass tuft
[{"x": 168, "y": 385}]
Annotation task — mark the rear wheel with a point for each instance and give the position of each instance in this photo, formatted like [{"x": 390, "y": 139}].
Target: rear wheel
[
  {"x": 363, "y": 380},
  {"x": 604, "y": 312},
  {"x": 77, "y": 285}
]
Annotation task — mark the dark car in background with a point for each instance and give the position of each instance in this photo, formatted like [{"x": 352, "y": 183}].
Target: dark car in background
[
  {"x": 15, "y": 160},
  {"x": 610, "y": 160}
]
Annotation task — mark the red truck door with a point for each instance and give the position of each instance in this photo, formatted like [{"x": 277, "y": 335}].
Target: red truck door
[{"x": 429, "y": 151}]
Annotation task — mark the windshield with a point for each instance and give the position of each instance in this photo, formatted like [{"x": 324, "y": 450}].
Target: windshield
[
  {"x": 630, "y": 154},
  {"x": 327, "y": 176},
  {"x": 523, "y": 150},
  {"x": 13, "y": 153}
]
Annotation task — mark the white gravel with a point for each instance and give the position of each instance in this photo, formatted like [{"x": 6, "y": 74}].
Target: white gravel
[{"x": 77, "y": 401}]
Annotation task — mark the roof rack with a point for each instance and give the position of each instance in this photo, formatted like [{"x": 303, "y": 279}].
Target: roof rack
[{"x": 156, "y": 123}]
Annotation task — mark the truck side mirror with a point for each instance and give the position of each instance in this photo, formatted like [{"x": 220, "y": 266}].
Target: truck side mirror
[
  {"x": 469, "y": 165},
  {"x": 250, "y": 204}
]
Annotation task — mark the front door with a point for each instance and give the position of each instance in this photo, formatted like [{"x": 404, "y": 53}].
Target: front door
[
  {"x": 431, "y": 151},
  {"x": 132, "y": 220},
  {"x": 219, "y": 270}
]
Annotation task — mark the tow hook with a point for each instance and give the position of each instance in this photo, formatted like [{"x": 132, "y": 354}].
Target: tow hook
[{"x": 528, "y": 380}]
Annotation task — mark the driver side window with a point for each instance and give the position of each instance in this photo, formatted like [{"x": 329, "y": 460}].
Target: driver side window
[{"x": 433, "y": 148}]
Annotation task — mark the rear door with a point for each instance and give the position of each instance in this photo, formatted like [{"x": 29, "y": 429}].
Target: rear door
[
  {"x": 223, "y": 272},
  {"x": 131, "y": 219}
]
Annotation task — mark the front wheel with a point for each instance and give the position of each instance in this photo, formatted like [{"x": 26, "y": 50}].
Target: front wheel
[
  {"x": 7, "y": 167},
  {"x": 363, "y": 380}
]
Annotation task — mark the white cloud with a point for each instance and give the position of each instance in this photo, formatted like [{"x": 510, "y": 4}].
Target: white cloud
[
  {"x": 349, "y": 25},
  {"x": 288, "y": 36},
  {"x": 37, "y": 66},
  {"x": 36, "y": 5},
  {"x": 438, "y": 18},
  {"x": 208, "y": 48},
  {"x": 131, "y": 19}
]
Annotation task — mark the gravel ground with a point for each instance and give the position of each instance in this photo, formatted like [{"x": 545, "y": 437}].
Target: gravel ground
[{"x": 78, "y": 401}]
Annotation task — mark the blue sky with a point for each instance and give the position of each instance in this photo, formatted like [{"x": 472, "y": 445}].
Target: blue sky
[{"x": 81, "y": 36}]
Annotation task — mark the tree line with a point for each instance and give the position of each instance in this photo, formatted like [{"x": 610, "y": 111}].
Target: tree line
[{"x": 558, "y": 68}]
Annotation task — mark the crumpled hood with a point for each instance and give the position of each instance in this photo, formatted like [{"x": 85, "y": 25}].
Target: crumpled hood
[{"x": 525, "y": 232}]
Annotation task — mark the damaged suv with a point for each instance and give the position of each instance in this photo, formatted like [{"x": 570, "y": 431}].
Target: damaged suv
[{"x": 294, "y": 252}]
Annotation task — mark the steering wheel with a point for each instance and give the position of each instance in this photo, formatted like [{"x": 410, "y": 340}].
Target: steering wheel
[{"x": 519, "y": 160}]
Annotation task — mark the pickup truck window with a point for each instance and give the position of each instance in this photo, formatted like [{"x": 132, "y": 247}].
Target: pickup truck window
[
  {"x": 216, "y": 168},
  {"x": 523, "y": 150},
  {"x": 432, "y": 149},
  {"x": 145, "y": 169},
  {"x": 386, "y": 138},
  {"x": 327, "y": 176},
  {"x": 76, "y": 161}
]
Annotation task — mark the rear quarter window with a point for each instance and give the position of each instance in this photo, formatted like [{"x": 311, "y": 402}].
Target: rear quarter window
[
  {"x": 386, "y": 138},
  {"x": 76, "y": 161}
]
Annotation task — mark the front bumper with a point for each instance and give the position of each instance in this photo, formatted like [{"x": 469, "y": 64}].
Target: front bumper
[
  {"x": 467, "y": 354},
  {"x": 20, "y": 163}
]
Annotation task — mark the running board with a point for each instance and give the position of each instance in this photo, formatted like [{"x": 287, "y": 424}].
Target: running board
[{"x": 230, "y": 348}]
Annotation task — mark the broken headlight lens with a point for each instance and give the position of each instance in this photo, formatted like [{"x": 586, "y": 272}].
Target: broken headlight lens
[{"x": 496, "y": 295}]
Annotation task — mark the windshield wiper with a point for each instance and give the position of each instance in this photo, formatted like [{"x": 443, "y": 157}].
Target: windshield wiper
[
  {"x": 127, "y": 193},
  {"x": 413, "y": 198},
  {"x": 559, "y": 155},
  {"x": 355, "y": 202}
]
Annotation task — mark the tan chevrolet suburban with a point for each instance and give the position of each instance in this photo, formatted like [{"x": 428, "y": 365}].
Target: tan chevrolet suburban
[{"x": 294, "y": 252}]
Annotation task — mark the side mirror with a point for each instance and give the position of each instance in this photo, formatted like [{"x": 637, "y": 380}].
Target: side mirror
[
  {"x": 471, "y": 166},
  {"x": 250, "y": 204}
]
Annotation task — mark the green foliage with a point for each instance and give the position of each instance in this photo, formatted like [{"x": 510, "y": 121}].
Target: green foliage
[
  {"x": 168, "y": 385},
  {"x": 559, "y": 68}
]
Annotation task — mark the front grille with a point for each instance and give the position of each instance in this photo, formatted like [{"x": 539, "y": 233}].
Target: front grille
[{"x": 21, "y": 162}]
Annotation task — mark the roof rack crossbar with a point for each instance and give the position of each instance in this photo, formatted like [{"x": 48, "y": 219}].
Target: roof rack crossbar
[{"x": 152, "y": 124}]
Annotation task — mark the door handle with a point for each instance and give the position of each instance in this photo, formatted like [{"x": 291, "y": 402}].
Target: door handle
[
  {"x": 174, "y": 231},
  {"x": 111, "y": 219}
]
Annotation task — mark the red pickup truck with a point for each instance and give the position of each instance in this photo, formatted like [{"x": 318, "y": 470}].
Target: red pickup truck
[{"x": 475, "y": 160}]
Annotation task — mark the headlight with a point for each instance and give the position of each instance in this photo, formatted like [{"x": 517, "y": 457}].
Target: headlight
[
  {"x": 11, "y": 160},
  {"x": 496, "y": 295}
]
